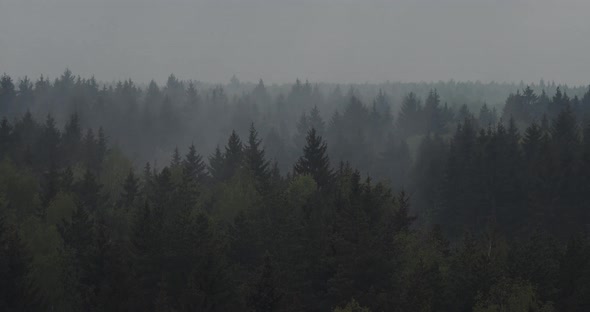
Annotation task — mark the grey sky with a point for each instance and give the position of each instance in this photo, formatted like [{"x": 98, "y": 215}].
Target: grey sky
[{"x": 322, "y": 40}]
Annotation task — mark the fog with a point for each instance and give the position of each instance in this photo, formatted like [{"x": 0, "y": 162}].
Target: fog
[
  {"x": 282, "y": 156},
  {"x": 278, "y": 41}
]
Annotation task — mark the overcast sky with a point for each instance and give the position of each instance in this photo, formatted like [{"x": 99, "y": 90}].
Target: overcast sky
[{"x": 280, "y": 40}]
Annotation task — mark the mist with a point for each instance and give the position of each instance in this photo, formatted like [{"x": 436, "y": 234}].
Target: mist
[
  {"x": 278, "y": 41},
  {"x": 286, "y": 156}
]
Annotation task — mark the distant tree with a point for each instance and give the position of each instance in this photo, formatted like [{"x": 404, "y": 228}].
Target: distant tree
[
  {"x": 72, "y": 139},
  {"x": 254, "y": 156},
  {"x": 433, "y": 114},
  {"x": 193, "y": 167},
  {"x": 233, "y": 155},
  {"x": 315, "y": 161},
  {"x": 130, "y": 190},
  {"x": 315, "y": 121},
  {"x": 216, "y": 165},
  {"x": 175, "y": 162},
  {"x": 408, "y": 119},
  {"x": 486, "y": 116}
]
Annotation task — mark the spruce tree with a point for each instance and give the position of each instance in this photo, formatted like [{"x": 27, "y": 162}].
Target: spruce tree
[
  {"x": 130, "y": 190},
  {"x": 72, "y": 139},
  {"x": 254, "y": 156},
  {"x": 5, "y": 138},
  {"x": 233, "y": 155},
  {"x": 408, "y": 119},
  {"x": 194, "y": 169},
  {"x": 175, "y": 162},
  {"x": 315, "y": 161},
  {"x": 216, "y": 165},
  {"x": 17, "y": 292},
  {"x": 265, "y": 295}
]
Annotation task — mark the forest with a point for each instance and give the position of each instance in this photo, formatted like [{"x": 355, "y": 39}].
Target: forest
[{"x": 188, "y": 196}]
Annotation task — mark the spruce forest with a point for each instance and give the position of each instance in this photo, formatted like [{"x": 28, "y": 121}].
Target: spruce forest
[{"x": 189, "y": 196}]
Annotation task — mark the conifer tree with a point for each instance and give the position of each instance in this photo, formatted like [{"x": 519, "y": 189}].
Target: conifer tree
[
  {"x": 89, "y": 191},
  {"x": 315, "y": 121},
  {"x": 233, "y": 155},
  {"x": 265, "y": 295},
  {"x": 254, "y": 156},
  {"x": 130, "y": 190},
  {"x": 17, "y": 292},
  {"x": 80, "y": 252},
  {"x": 315, "y": 161},
  {"x": 72, "y": 139},
  {"x": 216, "y": 165},
  {"x": 49, "y": 144},
  {"x": 5, "y": 138},
  {"x": 193, "y": 167},
  {"x": 408, "y": 119},
  {"x": 175, "y": 162},
  {"x": 101, "y": 148}
]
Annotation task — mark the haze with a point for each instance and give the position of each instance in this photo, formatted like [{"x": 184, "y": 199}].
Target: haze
[{"x": 328, "y": 40}]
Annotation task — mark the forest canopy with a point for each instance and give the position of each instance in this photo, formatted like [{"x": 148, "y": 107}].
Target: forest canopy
[{"x": 449, "y": 196}]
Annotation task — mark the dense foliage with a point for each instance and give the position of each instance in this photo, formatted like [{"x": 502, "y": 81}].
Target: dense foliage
[{"x": 464, "y": 212}]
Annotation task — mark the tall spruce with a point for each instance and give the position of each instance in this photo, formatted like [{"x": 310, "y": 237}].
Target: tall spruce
[
  {"x": 254, "y": 156},
  {"x": 315, "y": 161}
]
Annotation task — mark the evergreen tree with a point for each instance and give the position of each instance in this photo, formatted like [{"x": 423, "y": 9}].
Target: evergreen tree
[
  {"x": 315, "y": 121},
  {"x": 17, "y": 291},
  {"x": 216, "y": 165},
  {"x": 80, "y": 252},
  {"x": 130, "y": 190},
  {"x": 265, "y": 295},
  {"x": 49, "y": 145},
  {"x": 5, "y": 138},
  {"x": 193, "y": 167},
  {"x": 315, "y": 161},
  {"x": 408, "y": 119},
  {"x": 254, "y": 156},
  {"x": 233, "y": 155},
  {"x": 433, "y": 114},
  {"x": 175, "y": 162},
  {"x": 72, "y": 139},
  {"x": 89, "y": 191}
]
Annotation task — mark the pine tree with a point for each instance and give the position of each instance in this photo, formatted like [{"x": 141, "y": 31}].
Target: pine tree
[
  {"x": 146, "y": 259},
  {"x": 401, "y": 218},
  {"x": 254, "y": 156},
  {"x": 101, "y": 148},
  {"x": 50, "y": 188},
  {"x": 216, "y": 165},
  {"x": 49, "y": 144},
  {"x": 531, "y": 143},
  {"x": 89, "y": 191},
  {"x": 408, "y": 119},
  {"x": 433, "y": 114},
  {"x": 80, "y": 252},
  {"x": 315, "y": 161},
  {"x": 90, "y": 148},
  {"x": 130, "y": 190},
  {"x": 233, "y": 155},
  {"x": 5, "y": 138},
  {"x": 175, "y": 162},
  {"x": 302, "y": 129},
  {"x": 315, "y": 121},
  {"x": 265, "y": 295},
  {"x": 193, "y": 167},
  {"x": 17, "y": 292},
  {"x": 72, "y": 139}
]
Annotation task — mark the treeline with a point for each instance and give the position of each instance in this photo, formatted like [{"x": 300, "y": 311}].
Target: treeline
[
  {"x": 494, "y": 221},
  {"x": 366, "y": 124}
]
